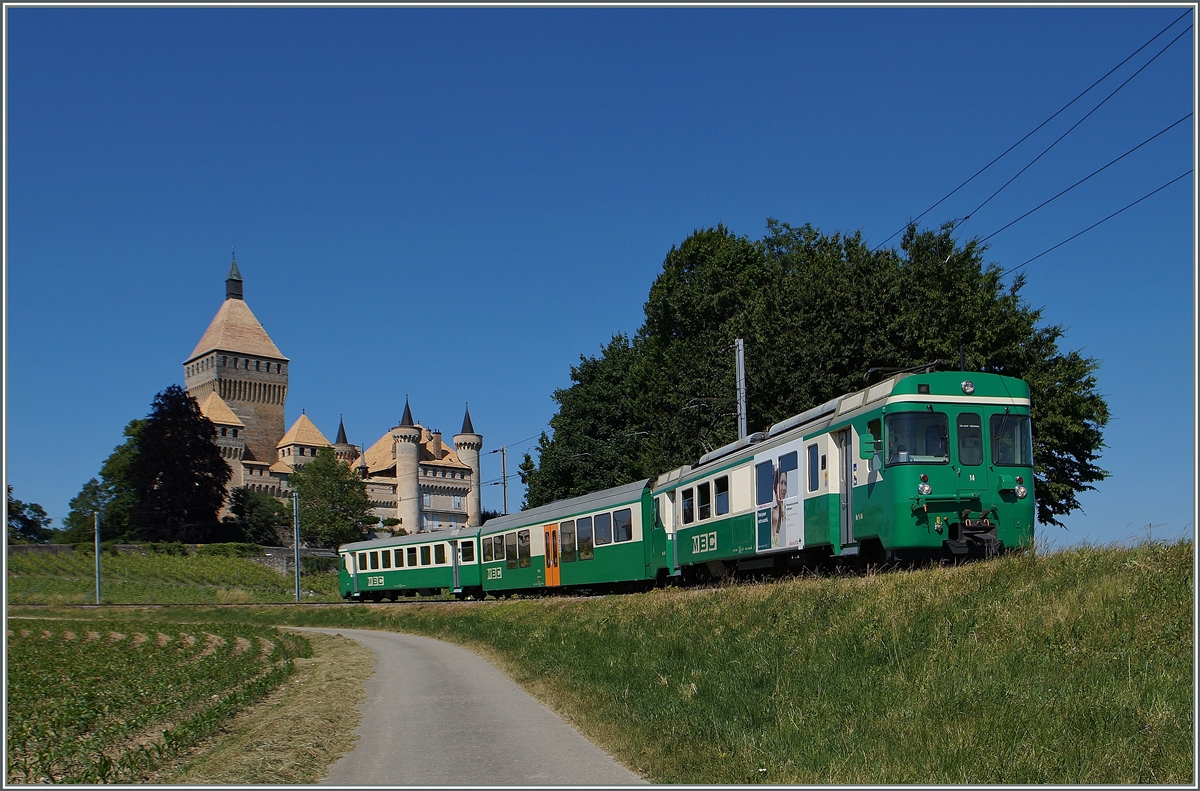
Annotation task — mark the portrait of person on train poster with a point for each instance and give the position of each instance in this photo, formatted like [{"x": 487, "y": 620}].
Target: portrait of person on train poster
[{"x": 779, "y": 510}]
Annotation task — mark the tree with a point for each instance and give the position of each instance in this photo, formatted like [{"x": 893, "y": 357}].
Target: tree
[
  {"x": 816, "y": 312},
  {"x": 112, "y": 495},
  {"x": 258, "y": 516},
  {"x": 177, "y": 474},
  {"x": 27, "y": 522},
  {"x": 333, "y": 501}
]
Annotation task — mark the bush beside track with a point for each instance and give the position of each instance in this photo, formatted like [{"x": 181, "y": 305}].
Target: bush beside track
[{"x": 1074, "y": 667}]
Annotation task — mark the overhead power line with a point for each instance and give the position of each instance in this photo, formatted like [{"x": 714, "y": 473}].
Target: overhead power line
[
  {"x": 1090, "y": 227},
  {"x": 1036, "y": 128},
  {"x": 1085, "y": 178}
]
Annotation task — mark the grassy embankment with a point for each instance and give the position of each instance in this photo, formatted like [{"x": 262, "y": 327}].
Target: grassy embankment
[
  {"x": 1074, "y": 667},
  {"x": 157, "y": 579}
]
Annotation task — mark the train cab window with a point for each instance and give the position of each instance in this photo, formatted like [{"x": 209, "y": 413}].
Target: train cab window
[
  {"x": 764, "y": 489},
  {"x": 425, "y": 556},
  {"x": 374, "y": 560},
  {"x": 623, "y": 525},
  {"x": 583, "y": 527},
  {"x": 523, "y": 551},
  {"x": 439, "y": 554},
  {"x": 510, "y": 550},
  {"x": 722, "y": 487},
  {"x": 399, "y": 558},
  {"x": 346, "y": 564},
  {"x": 814, "y": 474},
  {"x": 917, "y": 438},
  {"x": 566, "y": 532},
  {"x": 486, "y": 546},
  {"x": 387, "y": 558},
  {"x": 689, "y": 507},
  {"x": 468, "y": 551},
  {"x": 970, "y": 440},
  {"x": 1012, "y": 444},
  {"x": 704, "y": 498},
  {"x": 603, "y": 525},
  {"x": 412, "y": 556}
]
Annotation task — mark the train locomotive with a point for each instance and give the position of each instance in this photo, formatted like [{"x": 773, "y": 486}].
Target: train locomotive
[{"x": 925, "y": 464}]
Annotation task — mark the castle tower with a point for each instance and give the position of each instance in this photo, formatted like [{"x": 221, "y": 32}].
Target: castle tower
[
  {"x": 407, "y": 439},
  {"x": 468, "y": 444},
  {"x": 342, "y": 449},
  {"x": 238, "y": 361}
]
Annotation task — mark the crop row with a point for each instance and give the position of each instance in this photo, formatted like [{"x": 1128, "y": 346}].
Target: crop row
[{"x": 103, "y": 701}]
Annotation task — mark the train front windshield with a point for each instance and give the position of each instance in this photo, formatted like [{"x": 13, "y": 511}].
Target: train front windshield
[{"x": 917, "y": 438}]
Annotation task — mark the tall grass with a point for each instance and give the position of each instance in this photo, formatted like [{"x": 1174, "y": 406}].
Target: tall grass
[
  {"x": 156, "y": 579},
  {"x": 1074, "y": 667}
]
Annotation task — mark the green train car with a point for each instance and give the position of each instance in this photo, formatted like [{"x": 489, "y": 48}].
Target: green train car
[
  {"x": 921, "y": 465},
  {"x": 924, "y": 464}
]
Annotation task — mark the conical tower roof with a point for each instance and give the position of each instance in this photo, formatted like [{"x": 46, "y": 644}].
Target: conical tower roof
[
  {"x": 341, "y": 435},
  {"x": 235, "y": 329},
  {"x": 407, "y": 420},
  {"x": 468, "y": 427}
]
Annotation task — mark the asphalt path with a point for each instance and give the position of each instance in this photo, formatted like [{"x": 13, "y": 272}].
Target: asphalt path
[{"x": 437, "y": 714}]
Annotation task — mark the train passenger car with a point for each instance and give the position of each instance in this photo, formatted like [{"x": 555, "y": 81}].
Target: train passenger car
[
  {"x": 601, "y": 538},
  {"x": 923, "y": 464},
  {"x": 386, "y": 568}
]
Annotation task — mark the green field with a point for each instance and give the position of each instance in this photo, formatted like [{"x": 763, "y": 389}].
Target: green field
[
  {"x": 1072, "y": 667},
  {"x": 70, "y": 578},
  {"x": 103, "y": 700}
]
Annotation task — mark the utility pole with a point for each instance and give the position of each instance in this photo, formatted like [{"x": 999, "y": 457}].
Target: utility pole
[
  {"x": 97, "y": 557},
  {"x": 296, "y": 538},
  {"x": 740, "y": 346},
  {"x": 504, "y": 475}
]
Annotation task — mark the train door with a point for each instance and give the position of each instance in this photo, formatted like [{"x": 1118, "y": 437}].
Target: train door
[
  {"x": 972, "y": 472},
  {"x": 846, "y": 456},
  {"x": 454, "y": 565},
  {"x": 551, "y": 534}
]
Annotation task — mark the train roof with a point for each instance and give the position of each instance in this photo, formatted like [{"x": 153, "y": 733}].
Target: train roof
[
  {"x": 418, "y": 538},
  {"x": 619, "y": 495}
]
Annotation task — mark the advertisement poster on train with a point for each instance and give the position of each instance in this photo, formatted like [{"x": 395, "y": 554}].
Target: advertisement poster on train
[{"x": 779, "y": 507}]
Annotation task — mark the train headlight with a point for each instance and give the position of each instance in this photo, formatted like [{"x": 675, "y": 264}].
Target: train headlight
[
  {"x": 968, "y": 387},
  {"x": 924, "y": 488},
  {"x": 1021, "y": 491}
]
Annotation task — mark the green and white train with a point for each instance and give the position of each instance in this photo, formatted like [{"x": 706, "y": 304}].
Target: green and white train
[{"x": 921, "y": 465}]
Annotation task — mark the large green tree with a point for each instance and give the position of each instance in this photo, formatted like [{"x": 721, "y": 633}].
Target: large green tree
[
  {"x": 112, "y": 495},
  {"x": 27, "y": 522},
  {"x": 817, "y": 312},
  {"x": 258, "y": 517},
  {"x": 333, "y": 501},
  {"x": 178, "y": 474}
]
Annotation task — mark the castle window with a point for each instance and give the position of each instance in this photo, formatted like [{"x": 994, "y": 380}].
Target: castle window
[
  {"x": 235, "y": 432},
  {"x": 224, "y": 361},
  {"x": 457, "y": 501},
  {"x": 222, "y": 431},
  {"x": 256, "y": 365},
  {"x": 425, "y": 499}
]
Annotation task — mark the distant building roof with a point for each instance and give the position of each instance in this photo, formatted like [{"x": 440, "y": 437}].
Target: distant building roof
[
  {"x": 304, "y": 432},
  {"x": 235, "y": 329},
  {"x": 215, "y": 409}
]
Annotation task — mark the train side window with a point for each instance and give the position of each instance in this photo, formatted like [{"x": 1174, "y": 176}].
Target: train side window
[
  {"x": 722, "y": 487},
  {"x": 399, "y": 558},
  {"x": 567, "y": 534},
  {"x": 814, "y": 474},
  {"x": 704, "y": 496},
  {"x": 523, "y": 551},
  {"x": 584, "y": 528},
  {"x": 510, "y": 550},
  {"x": 412, "y": 556},
  {"x": 387, "y": 558},
  {"x": 439, "y": 554},
  {"x": 970, "y": 440},
  {"x": 689, "y": 507},
  {"x": 362, "y": 561},
  {"x": 425, "y": 559},
  {"x": 374, "y": 560},
  {"x": 765, "y": 485},
  {"x": 603, "y": 525},
  {"x": 487, "y": 549},
  {"x": 623, "y": 525},
  {"x": 468, "y": 551}
]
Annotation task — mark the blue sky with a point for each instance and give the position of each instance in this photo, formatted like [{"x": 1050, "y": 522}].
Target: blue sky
[{"x": 455, "y": 204}]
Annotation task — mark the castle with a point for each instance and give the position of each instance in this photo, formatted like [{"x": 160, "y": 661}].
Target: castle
[{"x": 240, "y": 379}]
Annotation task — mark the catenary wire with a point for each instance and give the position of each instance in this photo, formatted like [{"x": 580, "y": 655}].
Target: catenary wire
[
  {"x": 1093, "y": 225},
  {"x": 1074, "y": 126},
  {"x": 1085, "y": 178},
  {"x": 1035, "y": 129}
]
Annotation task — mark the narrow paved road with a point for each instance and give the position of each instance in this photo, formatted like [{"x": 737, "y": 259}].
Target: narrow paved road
[{"x": 437, "y": 714}]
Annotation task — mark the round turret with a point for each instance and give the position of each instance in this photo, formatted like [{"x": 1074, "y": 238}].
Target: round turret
[{"x": 468, "y": 444}]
